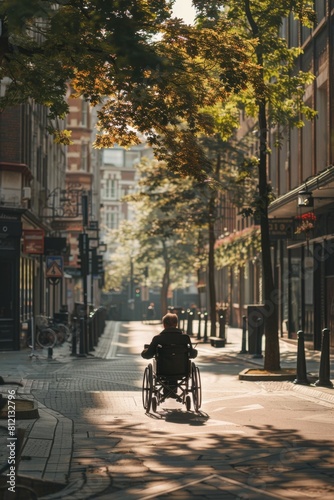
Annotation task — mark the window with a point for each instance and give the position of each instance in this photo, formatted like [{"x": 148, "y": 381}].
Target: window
[
  {"x": 111, "y": 189},
  {"x": 320, "y": 8},
  {"x": 112, "y": 218},
  {"x": 84, "y": 113},
  {"x": 131, "y": 158},
  {"x": 114, "y": 157},
  {"x": 84, "y": 157}
]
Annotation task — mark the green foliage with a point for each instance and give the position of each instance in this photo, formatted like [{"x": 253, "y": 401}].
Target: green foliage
[{"x": 238, "y": 248}]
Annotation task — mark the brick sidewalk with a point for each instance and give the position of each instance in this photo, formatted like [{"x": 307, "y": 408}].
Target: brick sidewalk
[{"x": 68, "y": 388}]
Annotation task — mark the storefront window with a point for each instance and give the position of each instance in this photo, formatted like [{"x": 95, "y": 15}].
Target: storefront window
[
  {"x": 295, "y": 296},
  {"x": 26, "y": 288}
]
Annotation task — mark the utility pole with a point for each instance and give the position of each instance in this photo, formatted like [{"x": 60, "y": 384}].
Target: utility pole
[{"x": 84, "y": 253}]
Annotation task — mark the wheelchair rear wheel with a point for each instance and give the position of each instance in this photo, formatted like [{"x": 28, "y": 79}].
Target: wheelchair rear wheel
[
  {"x": 147, "y": 389},
  {"x": 196, "y": 387}
]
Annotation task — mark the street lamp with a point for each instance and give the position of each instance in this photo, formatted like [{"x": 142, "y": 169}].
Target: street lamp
[{"x": 305, "y": 198}]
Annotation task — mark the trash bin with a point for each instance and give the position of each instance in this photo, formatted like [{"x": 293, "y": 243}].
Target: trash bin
[{"x": 255, "y": 320}]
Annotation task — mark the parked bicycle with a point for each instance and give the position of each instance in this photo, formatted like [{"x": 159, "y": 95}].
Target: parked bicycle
[
  {"x": 49, "y": 332},
  {"x": 45, "y": 334},
  {"x": 63, "y": 332}
]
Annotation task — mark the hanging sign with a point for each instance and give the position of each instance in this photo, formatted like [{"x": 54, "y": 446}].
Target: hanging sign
[{"x": 33, "y": 241}]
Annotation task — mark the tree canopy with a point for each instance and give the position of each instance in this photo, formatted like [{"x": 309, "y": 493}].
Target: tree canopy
[{"x": 148, "y": 71}]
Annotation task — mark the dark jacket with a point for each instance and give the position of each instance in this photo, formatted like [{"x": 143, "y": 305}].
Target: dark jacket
[{"x": 168, "y": 336}]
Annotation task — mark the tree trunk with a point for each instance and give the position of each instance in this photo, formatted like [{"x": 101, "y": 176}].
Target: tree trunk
[
  {"x": 211, "y": 266},
  {"x": 272, "y": 356},
  {"x": 165, "y": 282}
]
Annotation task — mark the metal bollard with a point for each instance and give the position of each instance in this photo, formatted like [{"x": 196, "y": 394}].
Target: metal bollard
[
  {"x": 183, "y": 312},
  {"x": 324, "y": 371},
  {"x": 190, "y": 323},
  {"x": 222, "y": 324},
  {"x": 82, "y": 348},
  {"x": 258, "y": 337},
  {"x": 244, "y": 330},
  {"x": 90, "y": 332},
  {"x": 199, "y": 326},
  {"x": 74, "y": 337},
  {"x": 301, "y": 362},
  {"x": 205, "y": 338}
]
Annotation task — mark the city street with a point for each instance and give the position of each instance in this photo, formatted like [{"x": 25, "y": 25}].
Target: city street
[{"x": 250, "y": 440}]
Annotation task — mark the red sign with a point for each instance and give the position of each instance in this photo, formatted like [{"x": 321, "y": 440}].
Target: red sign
[{"x": 33, "y": 241}]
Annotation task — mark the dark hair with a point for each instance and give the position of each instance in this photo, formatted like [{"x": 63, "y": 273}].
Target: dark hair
[{"x": 170, "y": 320}]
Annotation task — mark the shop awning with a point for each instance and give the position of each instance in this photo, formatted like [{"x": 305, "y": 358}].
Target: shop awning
[{"x": 321, "y": 186}]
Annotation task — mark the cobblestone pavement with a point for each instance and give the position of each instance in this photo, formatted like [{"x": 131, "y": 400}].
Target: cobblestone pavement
[{"x": 251, "y": 440}]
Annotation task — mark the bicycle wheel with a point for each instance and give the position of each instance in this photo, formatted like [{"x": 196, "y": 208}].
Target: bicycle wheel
[
  {"x": 63, "y": 332},
  {"x": 46, "y": 338}
]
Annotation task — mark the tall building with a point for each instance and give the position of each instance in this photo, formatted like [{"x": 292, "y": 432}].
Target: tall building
[
  {"x": 302, "y": 175},
  {"x": 119, "y": 178},
  {"x": 32, "y": 169}
]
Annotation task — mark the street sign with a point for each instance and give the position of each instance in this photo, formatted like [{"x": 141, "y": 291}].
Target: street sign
[
  {"x": 33, "y": 241},
  {"x": 280, "y": 229},
  {"x": 54, "y": 267}
]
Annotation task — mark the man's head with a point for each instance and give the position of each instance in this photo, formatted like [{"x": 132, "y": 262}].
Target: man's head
[{"x": 170, "y": 320}]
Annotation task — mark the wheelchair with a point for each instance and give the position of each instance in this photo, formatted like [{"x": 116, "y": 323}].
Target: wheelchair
[{"x": 172, "y": 374}]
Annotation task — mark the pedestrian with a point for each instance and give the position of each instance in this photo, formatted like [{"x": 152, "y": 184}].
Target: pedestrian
[
  {"x": 171, "y": 334},
  {"x": 150, "y": 312}
]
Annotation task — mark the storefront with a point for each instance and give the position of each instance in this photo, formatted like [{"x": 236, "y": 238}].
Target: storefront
[{"x": 306, "y": 270}]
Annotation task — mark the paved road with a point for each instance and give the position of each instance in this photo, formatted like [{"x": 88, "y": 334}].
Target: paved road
[{"x": 251, "y": 440}]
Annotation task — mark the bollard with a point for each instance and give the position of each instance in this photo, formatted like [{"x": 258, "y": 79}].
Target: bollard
[
  {"x": 244, "y": 330},
  {"x": 82, "y": 347},
  {"x": 90, "y": 332},
  {"x": 222, "y": 324},
  {"x": 50, "y": 352},
  {"x": 324, "y": 370},
  {"x": 199, "y": 326},
  {"x": 74, "y": 337},
  {"x": 183, "y": 312},
  {"x": 190, "y": 323},
  {"x": 205, "y": 338},
  {"x": 301, "y": 362},
  {"x": 258, "y": 339}
]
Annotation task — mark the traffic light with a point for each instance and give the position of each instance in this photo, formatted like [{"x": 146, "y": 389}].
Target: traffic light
[
  {"x": 83, "y": 254},
  {"x": 97, "y": 263},
  {"x": 100, "y": 269},
  {"x": 137, "y": 292}
]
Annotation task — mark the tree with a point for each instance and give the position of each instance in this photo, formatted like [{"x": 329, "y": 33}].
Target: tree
[
  {"x": 274, "y": 96},
  {"x": 163, "y": 230},
  {"x": 128, "y": 56}
]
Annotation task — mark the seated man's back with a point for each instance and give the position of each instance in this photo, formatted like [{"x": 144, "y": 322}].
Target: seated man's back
[{"x": 170, "y": 335}]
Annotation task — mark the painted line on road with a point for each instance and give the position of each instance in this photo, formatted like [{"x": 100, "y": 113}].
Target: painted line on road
[{"x": 244, "y": 487}]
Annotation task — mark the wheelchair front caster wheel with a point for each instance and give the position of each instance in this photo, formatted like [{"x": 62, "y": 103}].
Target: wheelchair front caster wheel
[
  {"x": 154, "y": 404},
  {"x": 188, "y": 403}
]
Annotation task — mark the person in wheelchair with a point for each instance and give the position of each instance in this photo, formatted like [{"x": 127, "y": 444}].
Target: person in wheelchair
[{"x": 170, "y": 335}]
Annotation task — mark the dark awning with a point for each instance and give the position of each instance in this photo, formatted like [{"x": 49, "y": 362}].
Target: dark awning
[{"x": 321, "y": 186}]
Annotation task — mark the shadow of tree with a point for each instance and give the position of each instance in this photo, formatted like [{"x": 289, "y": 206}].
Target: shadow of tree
[{"x": 141, "y": 451}]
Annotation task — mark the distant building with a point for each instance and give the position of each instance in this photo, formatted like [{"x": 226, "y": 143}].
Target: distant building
[{"x": 119, "y": 178}]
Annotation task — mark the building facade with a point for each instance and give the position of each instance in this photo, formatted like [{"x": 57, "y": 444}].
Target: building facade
[
  {"x": 302, "y": 176},
  {"x": 31, "y": 167}
]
